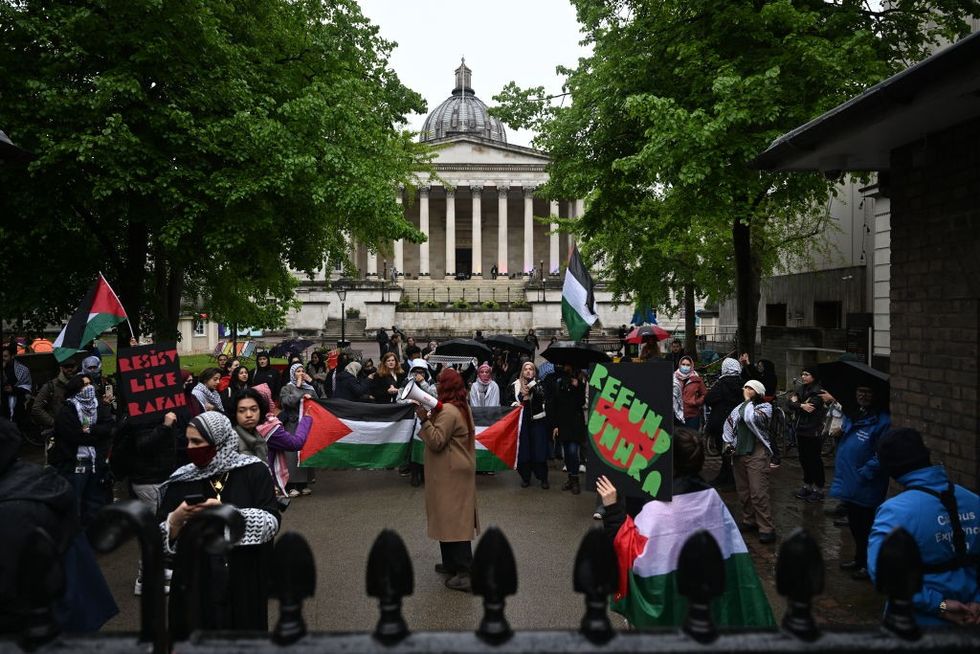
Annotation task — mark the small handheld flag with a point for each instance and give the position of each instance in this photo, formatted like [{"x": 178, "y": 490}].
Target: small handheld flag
[{"x": 99, "y": 311}]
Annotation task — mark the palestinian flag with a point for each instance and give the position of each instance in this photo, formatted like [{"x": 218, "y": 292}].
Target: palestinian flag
[
  {"x": 496, "y": 438},
  {"x": 648, "y": 551},
  {"x": 100, "y": 310},
  {"x": 577, "y": 297},
  {"x": 356, "y": 434}
]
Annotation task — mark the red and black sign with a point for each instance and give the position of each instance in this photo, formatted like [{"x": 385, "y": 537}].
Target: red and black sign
[
  {"x": 630, "y": 424},
  {"x": 150, "y": 383}
]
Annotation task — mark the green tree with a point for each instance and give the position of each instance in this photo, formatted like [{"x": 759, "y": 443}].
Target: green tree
[
  {"x": 194, "y": 152},
  {"x": 674, "y": 103}
]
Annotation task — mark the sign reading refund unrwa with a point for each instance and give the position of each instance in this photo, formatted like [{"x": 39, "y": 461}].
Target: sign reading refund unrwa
[
  {"x": 150, "y": 383},
  {"x": 630, "y": 420}
]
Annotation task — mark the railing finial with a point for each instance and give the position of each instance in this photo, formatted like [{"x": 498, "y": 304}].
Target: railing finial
[
  {"x": 700, "y": 578},
  {"x": 494, "y": 577},
  {"x": 596, "y": 574},
  {"x": 389, "y": 579},
  {"x": 294, "y": 579},
  {"x": 898, "y": 575},
  {"x": 800, "y": 576}
]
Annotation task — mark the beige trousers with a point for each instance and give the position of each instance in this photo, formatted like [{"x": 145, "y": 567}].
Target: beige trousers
[{"x": 752, "y": 485}]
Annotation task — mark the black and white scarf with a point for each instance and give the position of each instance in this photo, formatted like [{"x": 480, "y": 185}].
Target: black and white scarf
[{"x": 207, "y": 396}]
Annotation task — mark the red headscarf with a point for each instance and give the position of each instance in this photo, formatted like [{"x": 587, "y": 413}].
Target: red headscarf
[{"x": 452, "y": 390}]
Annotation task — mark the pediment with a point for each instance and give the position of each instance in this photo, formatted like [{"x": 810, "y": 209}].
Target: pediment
[{"x": 469, "y": 151}]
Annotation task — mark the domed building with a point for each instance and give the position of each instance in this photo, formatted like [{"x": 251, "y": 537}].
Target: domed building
[{"x": 486, "y": 240}]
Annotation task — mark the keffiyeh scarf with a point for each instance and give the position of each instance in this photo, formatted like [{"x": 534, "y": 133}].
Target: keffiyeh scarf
[{"x": 207, "y": 396}]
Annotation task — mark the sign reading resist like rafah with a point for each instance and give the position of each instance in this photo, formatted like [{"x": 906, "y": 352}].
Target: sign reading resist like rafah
[
  {"x": 150, "y": 383},
  {"x": 629, "y": 418}
]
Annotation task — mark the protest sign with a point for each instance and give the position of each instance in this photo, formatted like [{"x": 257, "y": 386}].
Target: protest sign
[
  {"x": 630, "y": 420},
  {"x": 150, "y": 383}
]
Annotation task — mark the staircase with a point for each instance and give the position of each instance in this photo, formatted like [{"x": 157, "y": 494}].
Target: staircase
[
  {"x": 354, "y": 328},
  {"x": 472, "y": 290}
]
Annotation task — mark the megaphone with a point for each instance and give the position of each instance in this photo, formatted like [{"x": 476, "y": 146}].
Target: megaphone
[{"x": 414, "y": 393}]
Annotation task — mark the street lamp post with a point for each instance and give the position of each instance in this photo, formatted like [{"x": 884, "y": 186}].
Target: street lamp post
[
  {"x": 541, "y": 273},
  {"x": 340, "y": 288}
]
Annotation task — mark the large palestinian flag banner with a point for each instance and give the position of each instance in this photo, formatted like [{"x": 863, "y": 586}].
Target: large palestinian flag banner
[
  {"x": 99, "y": 311},
  {"x": 497, "y": 429},
  {"x": 648, "y": 551},
  {"x": 357, "y": 434},
  {"x": 361, "y": 435}
]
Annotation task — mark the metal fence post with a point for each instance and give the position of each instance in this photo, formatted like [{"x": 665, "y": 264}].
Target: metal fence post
[
  {"x": 389, "y": 579},
  {"x": 294, "y": 579},
  {"x": 595, "y": 575},
  {"x": 800, "y": 576},
  {"x": 700, "y": 578},
  {"x": 40, "y": 582},
  {"x": 899, "y": 576},
  {"x": 494, "y": 577}
]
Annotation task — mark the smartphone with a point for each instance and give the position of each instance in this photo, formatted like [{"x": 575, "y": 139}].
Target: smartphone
[{"x": 196, "y": 498}]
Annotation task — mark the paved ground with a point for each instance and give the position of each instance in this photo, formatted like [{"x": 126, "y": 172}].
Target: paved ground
[{"x": 349, "y": 508}]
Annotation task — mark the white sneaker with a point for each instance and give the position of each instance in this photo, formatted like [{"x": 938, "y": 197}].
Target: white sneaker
[
  {"x": 597, "y": 516},
  {"x": 138, "y": 587},
  {"x": 564, "y": 468},
  {"x": 581, "y": 467}
]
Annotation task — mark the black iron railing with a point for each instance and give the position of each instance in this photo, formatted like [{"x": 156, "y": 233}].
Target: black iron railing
[{"x": 389, "y": 579}]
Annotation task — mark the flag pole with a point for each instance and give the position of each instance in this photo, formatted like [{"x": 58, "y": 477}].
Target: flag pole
[{"x": 132, "y": 325}]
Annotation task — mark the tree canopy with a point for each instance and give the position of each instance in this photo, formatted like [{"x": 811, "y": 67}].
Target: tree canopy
[
  {"x": 194, "y": 152},
  {"x": 677, "y": 98}
]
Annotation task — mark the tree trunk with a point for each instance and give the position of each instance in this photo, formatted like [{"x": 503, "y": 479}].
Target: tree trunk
[
  {"x": 690, "y": 338},
  {"x": 131, "y": 283},
  {"x": 748, "y": 272},
  {"x": 169, "y": 286}
]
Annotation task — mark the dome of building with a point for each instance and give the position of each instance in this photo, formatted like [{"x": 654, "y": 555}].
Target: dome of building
[{"x": 462, "y": 114}]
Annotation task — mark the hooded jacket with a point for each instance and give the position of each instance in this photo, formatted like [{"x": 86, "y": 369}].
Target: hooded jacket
[
  {"x": 858, "y": 477},
  {"x": 723, "y": 396},
  {"x": 924, "y": 516},
  {"x": 30, "y": 496}
]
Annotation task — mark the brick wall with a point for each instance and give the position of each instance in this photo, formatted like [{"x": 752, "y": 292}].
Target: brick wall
[{"x": 935, "y": 286}]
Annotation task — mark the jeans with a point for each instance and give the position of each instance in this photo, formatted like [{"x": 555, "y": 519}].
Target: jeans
[
  {"x": 90, "y": 493},
  {"x": 571, "y": 457}
]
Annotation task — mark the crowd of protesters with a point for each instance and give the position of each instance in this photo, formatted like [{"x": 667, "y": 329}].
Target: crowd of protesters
[{"x": 239, "y": 442}]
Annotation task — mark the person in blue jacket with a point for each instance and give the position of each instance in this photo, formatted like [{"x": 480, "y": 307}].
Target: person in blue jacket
[
  {"x": 858, "y": 479},
  {"x": 943, "y": 518}
]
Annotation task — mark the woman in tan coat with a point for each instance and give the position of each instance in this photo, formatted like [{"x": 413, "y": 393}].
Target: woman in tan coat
[{"x": 450, "y": 478}]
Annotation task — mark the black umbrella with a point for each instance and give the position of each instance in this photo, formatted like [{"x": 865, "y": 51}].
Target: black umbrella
[
  {"x": 464, "y": 347},
  {"x": 842, "y": 378},
  {"x": 290, "y": 346},
  {"x": 12, "y": 153},
  {"x": 577, "y": 354},
  {"x": 508, "y": 342}
]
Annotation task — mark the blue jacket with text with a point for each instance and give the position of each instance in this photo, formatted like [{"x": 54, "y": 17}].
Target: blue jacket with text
[
  {"x": 858, "y": 478},
  {"x": 924, "y": 516}
]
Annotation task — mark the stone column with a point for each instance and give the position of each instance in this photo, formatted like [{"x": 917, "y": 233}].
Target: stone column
[
  {"x": 528, "y": 230},
  {"x": 400, "y": 246},
  {"x": 424, "y": 228},
  {"x": 502, "y": 192},
  {"x": 477, "y": 191},
  {"x": 554, "y": 256},
  {"x": 450, "y": 233}
]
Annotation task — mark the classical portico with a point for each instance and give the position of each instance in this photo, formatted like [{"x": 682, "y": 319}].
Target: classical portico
[{"x": 479, "y": 210}]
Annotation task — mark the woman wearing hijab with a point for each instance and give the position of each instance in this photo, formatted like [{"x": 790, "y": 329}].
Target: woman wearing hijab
[
  {"x": 450, "y": 489},
  {"x": 747, "y": 436},
  {"x": 82, "y": 435},
  {"x": 532, "y": 449},
  {"x": 349, "y": 384},
  {"x": 723, "y": 396},
  {"x": 689, "y": 394},
  {"x": 237, "y": 385},
  {"x": 235, "y": 591},
  {"x": 264, "y": 373},
  {"x": 206, "y": 393},
  {"x": 263, "y": 435},
  {"x": 318, "y": 370},
  {"x": 484, "y": 391},
  {"x": 290, "y": 396}
]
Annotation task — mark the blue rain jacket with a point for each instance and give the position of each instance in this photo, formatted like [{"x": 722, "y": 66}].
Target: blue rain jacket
[
  {"x": 858, "y": 478},
  {"x": 924, "y": 516}
]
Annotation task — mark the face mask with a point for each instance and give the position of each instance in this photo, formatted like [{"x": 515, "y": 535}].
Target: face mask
[
  {"x": 202, "y": 456},
  {"x": 87, "y": 393},
  {"x": 685, "y": 369}
]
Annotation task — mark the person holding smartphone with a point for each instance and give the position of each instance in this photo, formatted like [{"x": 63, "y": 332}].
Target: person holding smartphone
[{"x": 220, "y": 474}]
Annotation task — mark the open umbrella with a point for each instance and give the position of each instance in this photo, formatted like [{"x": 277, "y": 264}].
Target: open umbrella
[
  {"x": 647, "y": 332},
  {"x": 508, "y": 342},
  {"x": 103, "y": 347},
  {"x": 464, "y": 347},
  {"x": 290, "y": 346},
  {"x": 13, "y": 153},
  {"x": 580, "y": 355},
  {"x": 842, "y": 378}
]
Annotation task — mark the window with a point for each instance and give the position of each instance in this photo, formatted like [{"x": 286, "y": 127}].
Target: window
[
  {"x": 776, "y": 315},
  {"x": 827, "y": 315},
  {"x": 199, "y": 327}
]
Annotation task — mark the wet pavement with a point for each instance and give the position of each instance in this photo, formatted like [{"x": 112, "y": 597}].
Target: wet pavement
[{"x": 348, "y": 508}]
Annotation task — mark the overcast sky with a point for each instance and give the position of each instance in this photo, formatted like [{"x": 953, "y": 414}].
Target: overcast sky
[{"x": 502, "y": 40}]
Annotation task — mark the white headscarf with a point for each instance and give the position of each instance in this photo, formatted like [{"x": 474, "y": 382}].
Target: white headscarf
[
  {"x": 730, "y": 367},
  {"x": 292, "y": 377}
]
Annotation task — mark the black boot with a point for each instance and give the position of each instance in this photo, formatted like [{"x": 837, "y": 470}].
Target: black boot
[
  {"x": 576, "y": 489},
  {"x": 568, "y": 484}
]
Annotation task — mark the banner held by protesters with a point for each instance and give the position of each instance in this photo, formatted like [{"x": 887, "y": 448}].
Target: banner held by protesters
[{"x": 150, "y": 382}]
